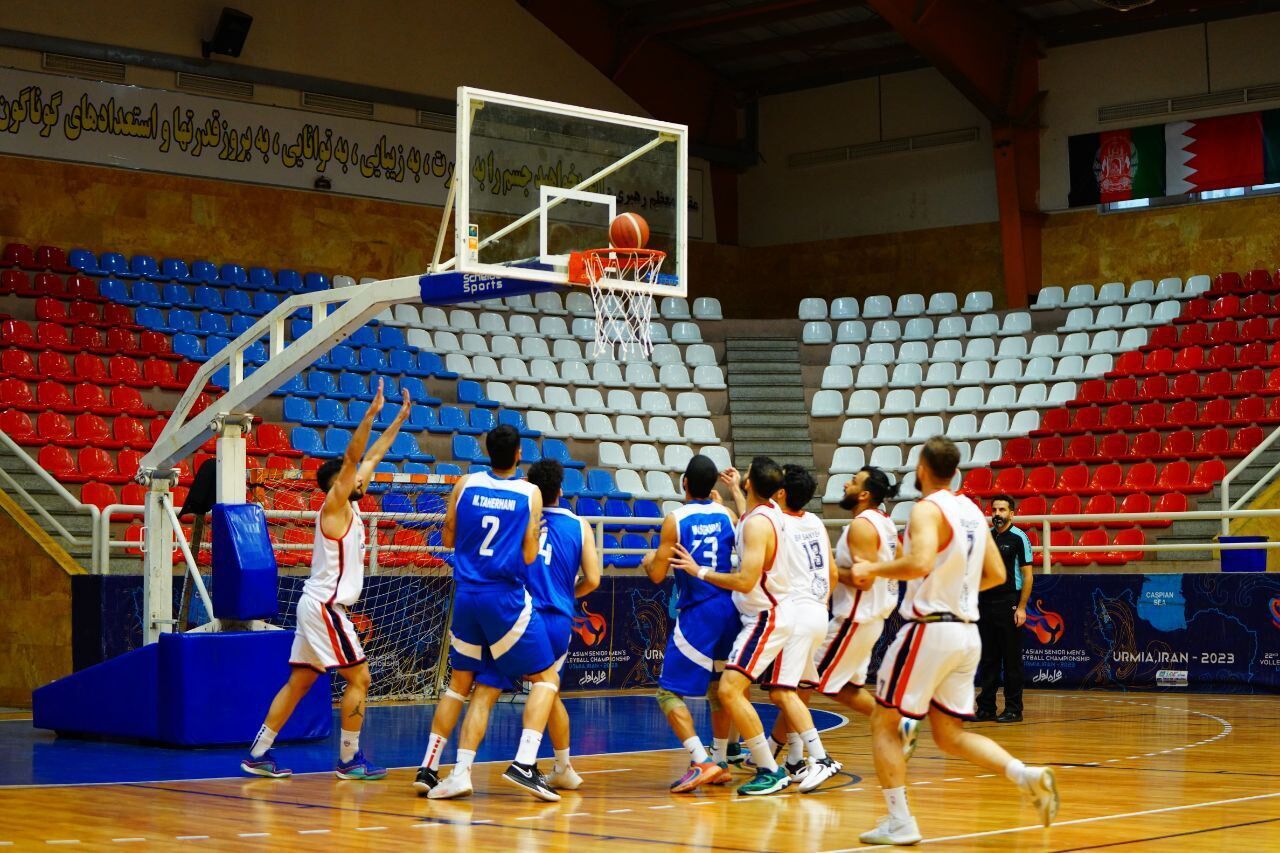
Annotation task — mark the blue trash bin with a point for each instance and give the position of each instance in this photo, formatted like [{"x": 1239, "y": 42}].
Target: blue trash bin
[{"x": 1244, "y": 559}]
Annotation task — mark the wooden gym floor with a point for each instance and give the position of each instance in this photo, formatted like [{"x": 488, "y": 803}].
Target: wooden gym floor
[{"x": 1137, "y": 772}]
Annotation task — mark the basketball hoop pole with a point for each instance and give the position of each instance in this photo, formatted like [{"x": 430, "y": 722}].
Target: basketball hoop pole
[
  {"x": 453, "y": 193},
  {"x": 660, "y": 139}
]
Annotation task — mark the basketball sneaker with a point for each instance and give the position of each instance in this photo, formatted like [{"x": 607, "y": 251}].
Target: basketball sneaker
[
  {"x": 425, "y": 780},
  {"x": 818, "y": 772},
  {"x": 266, "y": 765},
  {"x": 796, "y": 769},
  {"x": 735, "y": 754},
  {"x": 723, "y": 777},
  {"x": 909, "y": 731},
  {"x": 765, "y": 782},
  {"x": 566, "y": 779},
  {"x": 696, "y": 775},
  {"x": 1043, "y": 790},
  {"x": 452, "y": 786},
  {"x": 892, "y": 830},
  {"x": 527, "y": 777},
  {"x": 359, "y": 768}
]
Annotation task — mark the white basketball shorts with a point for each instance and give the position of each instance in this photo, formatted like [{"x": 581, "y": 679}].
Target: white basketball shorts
[
  {"x": 930, "y": 664},
  {"x": 324, "y": 638},
  {"x": 845, "y": 654}
]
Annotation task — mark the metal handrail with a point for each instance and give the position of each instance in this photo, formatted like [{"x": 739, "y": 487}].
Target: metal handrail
[
  {"x": 1241, "y": 466},
  {"x": 58, "y": 489}
]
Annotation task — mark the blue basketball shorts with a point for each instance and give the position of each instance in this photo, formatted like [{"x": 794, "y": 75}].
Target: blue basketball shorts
[
  {"x": 699, "y": 644},
  {"x": 559, "y": 630},
  {"x": 498, "y": 624}
]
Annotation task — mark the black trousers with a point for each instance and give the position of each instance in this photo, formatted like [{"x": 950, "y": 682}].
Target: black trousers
[{"x": 1001, "y": 655}]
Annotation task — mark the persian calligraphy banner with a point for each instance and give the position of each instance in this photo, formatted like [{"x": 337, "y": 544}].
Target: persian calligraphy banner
[{"x": 62, "y": 118}]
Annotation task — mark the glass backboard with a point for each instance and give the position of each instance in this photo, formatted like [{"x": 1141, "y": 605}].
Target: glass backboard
[{"x": 539, "y": 180}]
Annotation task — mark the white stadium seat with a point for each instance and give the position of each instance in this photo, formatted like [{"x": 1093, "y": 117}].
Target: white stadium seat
[
  {"x": 686, "y": 333},
  {"x": 675, "y": 457},
  {"x": 639, "y": 374},
  {"x": 699, "y": 354},
  {"x": 863, "y": 403},
  {"x": 707, "y": 308},
  {"x": 1166, "y": 312},
  {"x": 891, "y": 431},
  {"x": 909, "y": 305},
  {"x": 942, "y": 303},
  {"x": 886, "y": 330},
  {"x": 847, "y": 354},
  {"x": 856, "y": 431},
  {"x": 880, "y": 353},
  {"x": 675, "y": 376},
  {"x": 674, "y": 308},
  {"x": 980, "y": 349},
  {"x": 844, "y": 308},
  {"x": 918, "y": 329},
  {"x": 1111, "y": 293},
  {"x": 947, "y": 350},
  {"x": 816, "y": 332},
  {"x": 875, "y": 307},
  {"x": 1143, "y": 290},
  {"x": 933, "y": 400},
  {"x": 978, "y": 301},
  {"x": 579, "y": 304},
  {"x": 622, "y": 402},
  {"x": 905, "y": 375},
  {"x": 656, "y": 403},
  {"x": 951, "y": 327},
  {"x": 983, "y": 326},
  {"x": 851, "y": 332},
  {"x": 837, "y": 376},
  {"x": 813, "y": 308},
  {"x": 709, "y": 377},
  {"x": 871, "y": 376},
  {"x": 1169, "y": 288},
  {"x": 915, "y": 352},
  {"x": 1016, "y": 323},
  {"x": 1015, "y": 347},
  {"x": 522, "y": 325},
  {"x": 848, "y": 460},
  {"x": 1049, "y": 298},
  {"x": 1079, "y": 294},
  {"x": 548, "y": 302},
  {"x": 899, "y": 401},
  {"x": 941, "y": 374},
  {"x": 523, "y": 303}
]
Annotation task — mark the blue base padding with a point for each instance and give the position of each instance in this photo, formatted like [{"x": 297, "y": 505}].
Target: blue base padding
[
  {"x": 244, "y": 565},
  {"x": 186, "y": 690}
]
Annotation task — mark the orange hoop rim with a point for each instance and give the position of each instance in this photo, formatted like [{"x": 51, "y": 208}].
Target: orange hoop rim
[{"x": 586, "y": 267}]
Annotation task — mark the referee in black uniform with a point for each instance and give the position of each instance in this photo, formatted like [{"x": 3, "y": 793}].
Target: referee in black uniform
[{"x": 1002, "y": 610}]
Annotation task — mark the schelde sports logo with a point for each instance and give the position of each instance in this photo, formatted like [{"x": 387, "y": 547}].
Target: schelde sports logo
[
  {"x": 1045, "y": 624},
  {"x": 591, "y": 627},
  {"x": 1275, "y": 611}
]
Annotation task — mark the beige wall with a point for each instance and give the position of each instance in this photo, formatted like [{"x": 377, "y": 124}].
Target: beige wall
[{"x": 895, "y": 192}]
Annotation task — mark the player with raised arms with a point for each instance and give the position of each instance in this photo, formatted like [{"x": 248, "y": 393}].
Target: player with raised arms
[
  {"x": 706, "y": 624},
  {"x": 948, "y": 556},
  {"x": 568, "y": 569},
  {"x": 493, "y": 523},
  {"x": 324, "y": 638}
]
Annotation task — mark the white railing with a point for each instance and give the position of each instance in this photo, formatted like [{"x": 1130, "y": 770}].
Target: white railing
[
  {"x": 32, "y": 505},
  {"x": 1244, "y": 463}
]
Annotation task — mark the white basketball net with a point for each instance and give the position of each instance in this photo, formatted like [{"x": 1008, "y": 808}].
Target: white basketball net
[{"x": 623, "y": 315}]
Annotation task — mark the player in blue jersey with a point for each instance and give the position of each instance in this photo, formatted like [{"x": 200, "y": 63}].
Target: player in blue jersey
[
  {"x": 707, "y": 623},
  {"x": 493, "y": 524},
  {"x": 569, "y": 569}
]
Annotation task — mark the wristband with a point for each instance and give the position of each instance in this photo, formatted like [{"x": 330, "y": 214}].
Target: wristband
[{"x": 703, "y": 572}]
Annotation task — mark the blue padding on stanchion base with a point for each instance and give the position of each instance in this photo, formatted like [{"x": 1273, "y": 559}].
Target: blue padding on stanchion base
[
  {"x": 186, "y": 690},
  {"x": 244, "y": 566}
]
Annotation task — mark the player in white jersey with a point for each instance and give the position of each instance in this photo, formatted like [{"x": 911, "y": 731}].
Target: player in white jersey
[
  {"x": 929, "y": 668},
  {"x": 324, "y": 638},
  {"x": 759, "y": 589}
]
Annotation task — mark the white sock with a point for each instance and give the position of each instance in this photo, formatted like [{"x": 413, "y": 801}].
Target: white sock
[
  {"x": 349, "y": 746},
  {"x": 761, "y": 754},
  {"x": 435, "y": 746},
  {"x": 266, "y": 737},
  {"x": 1018, "y": 773},
  {"x": 562, "y": 760},
  {"x": 813, "y": 743},
  {"x": 697, "y": 751},
  {"x": 463, "y": 762},
  {"x": 896, "y": 799},
  {"x": 795, "y": 748},
  {"x": 720, "y": 750},
  {"x": 527, "y": 754}
]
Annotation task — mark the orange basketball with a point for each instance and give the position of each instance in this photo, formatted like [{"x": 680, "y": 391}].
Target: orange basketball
[{"x": 628, "y": 231}]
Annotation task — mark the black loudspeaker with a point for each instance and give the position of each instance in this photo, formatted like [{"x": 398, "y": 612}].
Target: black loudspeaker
[{"x": 228, "y": 38}]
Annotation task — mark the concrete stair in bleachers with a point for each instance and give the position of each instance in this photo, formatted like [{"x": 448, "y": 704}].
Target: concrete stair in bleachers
[
  {"x": 78, "y": 524},
  {"x": 767, "y": 411}
]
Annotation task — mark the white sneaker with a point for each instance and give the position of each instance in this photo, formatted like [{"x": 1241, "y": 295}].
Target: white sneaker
[
  {"x": 909, "y": 731},
  {"x": 819, "y": 771},
  {"x": 890, "y": 830},
  {"x": 1043, "y": 790},
  {"x": 566, "y": 779},
  {"x": 454, "y": 785}
]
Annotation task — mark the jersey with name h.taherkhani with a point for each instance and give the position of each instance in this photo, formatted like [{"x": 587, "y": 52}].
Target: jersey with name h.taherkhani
[
  {"x": 705, "y": 529},
  {"x": 877, "y": 602},
  {"x": 492, "y": 516},
  {"x": 552, "y": 578},
  {"x": 337, "y": 565},
  {"x": 952, "y": 586}
]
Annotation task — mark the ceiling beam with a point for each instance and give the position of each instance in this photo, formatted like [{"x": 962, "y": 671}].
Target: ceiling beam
[
  {"x": 1109, "y": 23},
  {"x": 824, "y": 72},
  {"x": 759, "y": 14},
  {"x": 799, "y": 41}
]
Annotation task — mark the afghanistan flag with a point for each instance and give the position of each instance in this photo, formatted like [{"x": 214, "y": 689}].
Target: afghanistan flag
[{"x": 1117, "y": 165}]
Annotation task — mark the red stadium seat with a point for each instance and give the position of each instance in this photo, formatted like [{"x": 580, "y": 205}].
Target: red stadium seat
[
  {"x": 89, "y": 368},
  {"x": 128, "y": 462},
  {"x": 272, "y": 438},
  {"x": 89, "y": 339},
  {"x": 1113, "y": 446},
  {"x": 1083, "y": 448},
  {"x": 1057, "y": 539},
  {"x": 1225, "y": 306},
  {"x": 1250, "y": 381},
  {"x": 1187, "y": 358},
  {"x": 1177, "y": 445},
  {"x": 125, "y": 371},
  {"x": 1213, "y": 442},
  {"x": 1140, "y": 478},
  {"x": 1128, "y": 363},
  {"x": 98, "y": 494},
  {"x": 131, "y": 432},
  {"x": 1163, "y": 336},
  {"x": 92, "y": 398},
  {"x": 1052, "y": 421},
  {"x": 134, "y": 534},
  {"x": 1100, "y": 505},
  {"x": 1016, "y": 452},
  {"x": 296, "y": 555},
  {"x": 1160, "y": 361},
  {"x": 1222, "y": 355},
  {"x": 403, "y": 537},
  {"x": 93, "y": 463},
  {"x": 15, "y": 333},
  {"x": 83, "y": 288},
  {"x": 48, "y": 284},
  {"x": 1040, "y": 480},
  {"x": 1255, "y": 329},
  {"x": 88, "y": 313},
  {"x": 1124, "y": 390},
  {"x": 17, "y": 364},
  {"x": 1183, "y": 413},
  {"x": 51, "y": 310},
  {"x": 1129, "y": 538},
  {"x": 1215, "y": 412},
  {"x": 1048, "y": 450},
  {"x": 1169, "y": 502},
  {"x": 1136, "y": 502},
  {"x": 1066, "y": 505},
  {"x": 1253, "y": 354},
  {"x": 1207, "y": 475},
  {"x": 1091, "y": 391},
  {"x": 1218, "y": 384},
  {"x": 124, "y": 342},
  {"x": 160, "y": 374},
  {"x": 1194, "y": 311},
  {"x": 119, "y": 316},
  {"x": 158, "y": 345},
  {"x": 58, "y": 462},
  {"x": 50, "y": 395},
  {"x": 17, "y": 425},
  {"x": 1146, "y": 445},
  {"x": 1256, "y": 280},
  {"x": 1086, "y": 419},
  {"x": 19, "y": 255},
  {"x": 1246, "y": 439},
  {"x": 1224, "y": 332},
  {"x": 1033, "y": 505},
  {"x": 1095, "y": 538},
  {"x": 1174, "y": 477},
  {"x": 54, "y": 336},
  {"x": 93, "y": 431},
  {"x": 1153, "y": 388},
  {"x": 977, "y": 482},
  {"x": 1009, "y": 480},
  {"x": 1151, "y": 415},
  {"x": 1119, "y": 417},
  {"x": 1249, "y": 410},
  {"x": 1256, "y": 306},
  {"x": 1073, "y": 479},
  {"x": 129, "y": 401},
  {"x": 1185, "y": 385}
]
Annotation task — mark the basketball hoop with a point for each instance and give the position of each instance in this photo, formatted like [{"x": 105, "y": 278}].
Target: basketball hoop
[{"x": 623, "y": 314}]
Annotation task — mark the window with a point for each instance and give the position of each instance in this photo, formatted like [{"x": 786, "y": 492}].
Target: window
[{"x": 1190, "y": 198}]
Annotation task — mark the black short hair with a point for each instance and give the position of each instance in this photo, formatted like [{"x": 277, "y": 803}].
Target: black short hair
[
  {"x": 798, "y": 485},
  {"x": 548, "y": 476},
  {"x": 502, "y": 443},
  {"x": 765, "y": 476},
  {"x": 941, "y": 456},
  {"x": 1006, "y": 498},
  {"x": 879, "y": 485},
  {"x": 326, "y": 472},
  {"x": 700, "y": 477}
]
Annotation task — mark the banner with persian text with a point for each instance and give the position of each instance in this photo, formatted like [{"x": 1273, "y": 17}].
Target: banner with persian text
[{"x": 62, "y": 118}]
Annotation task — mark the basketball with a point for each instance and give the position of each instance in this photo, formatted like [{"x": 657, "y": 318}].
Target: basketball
[{"x": 628, "y": 231}]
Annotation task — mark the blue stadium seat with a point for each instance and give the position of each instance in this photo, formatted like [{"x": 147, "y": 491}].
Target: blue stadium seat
[
  {"x": 644, "y": 508},
  {"x": 615, "y": 508},
  {"x": 386, "y": 416},
  {"x": 467, "y": 449},
  {"x": 340, "y": 358},
  {"x": 391, "y": 338},
  {"x": 182, "y": 321},
  {"x": 204, "y": 272},
  {"x": 188, "y": 346},
  {"x": 448, "y": 469},
  {"x": 260, "y": 278},
  {"x": 406, "y": 445},
  {"x": 295, "y": 385},
  {"x": 209, "y": 298},
  {"x": 416, "y": 468},
  {"x": 554, "y": 448},
  {"x": 354, "y": 385},
  {"x": 588, "y": 508},
  {"x": 452, "y": 419},
  {"x": 356, "y": 410},
  {"x": 516, "y": 419},
  {"x": 382, "y": 467},
  {"x": 471, "y": 393},
  {"x": 145, "y": 266},
  {"x": 435, "y": 364},
  {"x": 418, "y": 391},
  {"x": 264, "y": 303},
  {"x": 372, "y": 360},
  {"x": 529, "y": 451},
  {"x": 631, "y": 561},
  {"x": 114, "y": 290},
  {"x": 241, "y": 323},
  {"x": 233, "y": 275},
  {"x": 322, "y": 384},
  {"x": 114, "y": 263},
  {"x": 406, "y": 362},
  {"x": 398, "y": 502},
  {"x": 145, "y": 293},
  {"x": 336, "y": 441},
  {"x": 601, "y": 481},
  {"x": 364, "y": 336},
  {"x": 298, "y": 328},
  {"x": 565, "y": 504},
  {"x": 214, "y": 344},
  {"x": 176, "y": 296},
  {"x": 422, "y": 417},
  {"x": 313, "y": 282},
  {"x": 300, "y": 411},
  {"x": 235, "y": 301},
  {"x": 287, "y": 281},
  {"x": 390, "y": 390},
  {"x": 173, "y": 269},
  {"x": 573, "y": 484},
  {"x": 151, "y": 318},
  {"x": 330, "y": 412},
  {"x": 307, "y": 440},
  {"x": 255, "y": 353},
  {"x": 221, "y": 377},
  {"x": 214, "y": 324},
  {"x": 85, "y": 261},
  {"x": 482, "y": 420}
]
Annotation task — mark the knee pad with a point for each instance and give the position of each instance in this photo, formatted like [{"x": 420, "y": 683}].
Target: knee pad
[
  {"x": 713, "y": 697},
  {"x": 668, "y": 701},
  {"x": 546, "y": 685},
  {"x": 453, "y": 694}
]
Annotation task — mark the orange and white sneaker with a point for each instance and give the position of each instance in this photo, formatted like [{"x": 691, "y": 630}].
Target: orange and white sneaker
[
  {"x": 696, "y": 775},
  {"x": 724, "y": 777}
]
